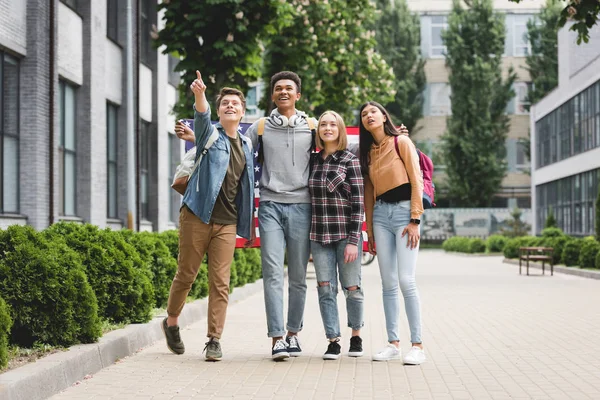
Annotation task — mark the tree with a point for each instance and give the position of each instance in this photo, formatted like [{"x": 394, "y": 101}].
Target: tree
[
  {"x": 330, "y": 46},
  {"x": 542, "y": 63},
  {"x": 474, "y": 149},
  {"x": 516, "y": 227},
  {"x": 550, "y": 220},
  {"x": 598, "y": 216},
  {"x": 221, "y": 39},
  {"x": 398, "y": 36},
  {"x": 583, "y": 12}
]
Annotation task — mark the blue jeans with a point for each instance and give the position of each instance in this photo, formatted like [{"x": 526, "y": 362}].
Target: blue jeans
[
  {"x": 284, "y": 226},
  {"x": 328, "y": 260},
  {"x": 397, "y": 265}
]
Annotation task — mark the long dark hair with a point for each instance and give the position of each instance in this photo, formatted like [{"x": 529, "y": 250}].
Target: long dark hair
[{"x": 366, "y": 139}]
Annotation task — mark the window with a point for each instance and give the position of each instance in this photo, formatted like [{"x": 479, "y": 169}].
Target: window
[
  {"x": 572, "y": 202},
  {"x": 174, "y": 76},
  {"x": 437, "y": 99},
  {"x": 144, "y": 148},
  {"x": 572, "y": 128},
  {"x": 252, "y": 102},
  {"x": 68, "y": 151},
  {"x": 174, "y": 158},
  {"x": 522, "y": 97},
  {"x": 112, "y": 19},
  {"x": 438, "y": 24},
  {"x": 521, "y": 46},
  {"x": 112, "y": 135},
  {"x": 145, "y": 29},
  {"x": 71, "y": 3},
  {"x": 9, "y": 134}
]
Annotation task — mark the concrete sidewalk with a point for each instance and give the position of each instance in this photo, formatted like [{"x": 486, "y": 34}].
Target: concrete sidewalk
[{"x": 489, "y": 334}]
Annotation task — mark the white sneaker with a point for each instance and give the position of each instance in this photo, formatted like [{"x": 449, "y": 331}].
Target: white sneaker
[
  {"x": 389, "y": 352},
  {"x": 415, "y": 356},
  {"x": 280, "y": 350}
]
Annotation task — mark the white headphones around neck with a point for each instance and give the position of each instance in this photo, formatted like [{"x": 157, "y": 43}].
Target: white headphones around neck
[{"x": 283, "y": 121}]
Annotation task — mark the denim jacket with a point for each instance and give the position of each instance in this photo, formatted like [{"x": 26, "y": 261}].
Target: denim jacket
[{"x": 210, "y": 174}]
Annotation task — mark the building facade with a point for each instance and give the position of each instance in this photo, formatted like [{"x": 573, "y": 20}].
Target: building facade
[
  {"x": 565, "y": 140},
  {"x": 515, "y": 190},
  {"x": 63, "y": 115}
]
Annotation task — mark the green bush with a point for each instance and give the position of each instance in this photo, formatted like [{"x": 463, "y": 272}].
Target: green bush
[
  {"x": 589, "y": 251},
  {"x": 45, "y": 285},
  {"x": 171, "y": 239},
  {"x": 476, "y": 245},
  {"x": 558, "y": 244},
  {"x": 200, "y": 286},
  {"x": 552, "y": 232},
  {"x": 5, "y": 325},
  {"x": 253, "y": 260},
  {"x": 118, "y": 276},
  {"x": 571, "y": 251},
  {"x": 495, "y": 243},
  {"x": 158, "y": 259},
  {"x": 511, "y": 248},
  {"x": 456, "y": 243}
]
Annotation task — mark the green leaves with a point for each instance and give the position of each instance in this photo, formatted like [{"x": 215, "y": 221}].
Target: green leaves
[{"x": 474, "y": 149}]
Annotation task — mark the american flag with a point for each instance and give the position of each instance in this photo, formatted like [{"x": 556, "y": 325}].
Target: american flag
[{"x": 352, "y": 138}]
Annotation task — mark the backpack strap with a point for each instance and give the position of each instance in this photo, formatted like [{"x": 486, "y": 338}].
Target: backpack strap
[
  {"x": 211, "y": 139},
  {"x": 260, "y": 129},
  {"x": 261, "y": 126}
]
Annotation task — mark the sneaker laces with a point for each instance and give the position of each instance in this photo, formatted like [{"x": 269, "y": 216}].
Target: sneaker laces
[
  {"x": 390, "y": 348},
  {"x": 174, "y": 330},
  {"x": 280, "y": 345},
  {"x": 213, "y": 344},
  {"x": 333, "y": 345},
  {"x": 293, "y": 341}
]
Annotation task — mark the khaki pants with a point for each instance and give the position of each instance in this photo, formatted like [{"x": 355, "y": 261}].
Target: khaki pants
[{"x": 196, "y": 239}]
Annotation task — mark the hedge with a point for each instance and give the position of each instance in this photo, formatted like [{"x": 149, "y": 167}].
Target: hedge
[
  {"x": 119, "y": 277},
  {"x": 47, "y": 290},
  {"x": 456, "y": 243},
  {"x": 476, "y": 245},
  {"x": 496, "y": 243},
  {"x": 5, "y": 325},
  {"x": 158, "y": 259},
  {"x": 571, "y": 250},
  {"x": 589, "y": 250},
  {"x": 511, "y": 248}
]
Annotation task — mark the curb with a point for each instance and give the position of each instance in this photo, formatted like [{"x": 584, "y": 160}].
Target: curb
[
  {"x": 584, "y": 273},
  {"x": 49, "y": 375}
]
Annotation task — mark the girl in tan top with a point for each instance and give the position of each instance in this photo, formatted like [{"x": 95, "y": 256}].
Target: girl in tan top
[{"x": 393, "y": 206}]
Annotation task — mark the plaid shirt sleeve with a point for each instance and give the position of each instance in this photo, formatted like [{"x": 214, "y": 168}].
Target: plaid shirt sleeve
[{"x": 355, "y": 178}]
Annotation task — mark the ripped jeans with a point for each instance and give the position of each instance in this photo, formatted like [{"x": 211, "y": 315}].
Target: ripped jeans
[{"x": 329, "y": 261}]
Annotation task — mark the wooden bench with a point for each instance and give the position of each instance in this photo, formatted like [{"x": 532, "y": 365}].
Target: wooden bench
[{"x": 543, "y": 254}]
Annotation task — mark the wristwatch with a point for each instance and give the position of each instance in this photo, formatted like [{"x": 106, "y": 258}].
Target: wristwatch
[{"x": 415, "y": 221}]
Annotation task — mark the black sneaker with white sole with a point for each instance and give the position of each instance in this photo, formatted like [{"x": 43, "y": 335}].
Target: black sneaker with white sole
[
  {"x": 333, "y": 351},
  {"x": 293, "y": 346},
  {"x": 280, "y": 350},
  {"x": 356, "y": 349}
]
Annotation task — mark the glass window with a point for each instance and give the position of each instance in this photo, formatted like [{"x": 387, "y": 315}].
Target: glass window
[
  {"x": 252, "y": 102},
  {"x": 70, "y": 3},
  {"x": 112, "y": 19},
  {"x": 68, "y": 151},
  {"x": 438, "y": 24},
  {"x": 521, "y": 46},
  {"x": 145, "y": 30},
  {"x": 9, "y": 134},
  {"x": 112, "y": 135},
  {"x": 174, "y": 76},
  {"x": 522, "y": 103},
  {"x": 438, "y": 99},
  {"x": 144, "y": 147}
]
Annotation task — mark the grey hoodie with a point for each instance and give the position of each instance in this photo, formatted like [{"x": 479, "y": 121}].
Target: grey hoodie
[{"x": 286, "y": 153}]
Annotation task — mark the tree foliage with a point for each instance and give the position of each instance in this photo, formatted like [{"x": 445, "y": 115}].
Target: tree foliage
[
  {"x": 331, "y": 46},
  {"x": 220, "y": 38},
  {"x": 542, "y": 63},
  {"x": 550, "y": 220},
  {"x": 583, "y": 12},
  {"x": 474, "y": 143},
  {"x": 398, "y": 35}
]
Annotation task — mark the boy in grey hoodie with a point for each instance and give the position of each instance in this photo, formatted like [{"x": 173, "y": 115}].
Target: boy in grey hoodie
[{"x": 284, "y": 213}]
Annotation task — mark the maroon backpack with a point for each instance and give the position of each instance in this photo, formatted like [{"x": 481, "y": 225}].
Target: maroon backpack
[{"x": 427, "y": 169}]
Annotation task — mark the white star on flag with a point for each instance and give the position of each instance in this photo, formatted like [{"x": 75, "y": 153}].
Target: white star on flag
[
  {"x": 257, "y": 169},
  {"x": 256, "y": 154},
  {"x": 187, "y": 123}
]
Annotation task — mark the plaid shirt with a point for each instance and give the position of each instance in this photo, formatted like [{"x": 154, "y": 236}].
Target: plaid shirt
[{"x": 336, "y": 191}]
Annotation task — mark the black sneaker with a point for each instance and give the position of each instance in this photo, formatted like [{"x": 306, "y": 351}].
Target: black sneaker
[
  {"x": 333, "y": 351},
  {"x": 293, "y": 345},
  {"x": 213, "y": 350},
  {"x": 280, "y": 350},
  {"x": 174, "y": 342},
  {"x": 356, "y": 349}
]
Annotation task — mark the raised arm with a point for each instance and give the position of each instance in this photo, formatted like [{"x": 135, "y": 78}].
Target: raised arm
[{"x": 202, "y": 124}]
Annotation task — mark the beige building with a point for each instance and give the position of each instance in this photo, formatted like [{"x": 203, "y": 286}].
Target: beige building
[{"x": 436, "y": 109}]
